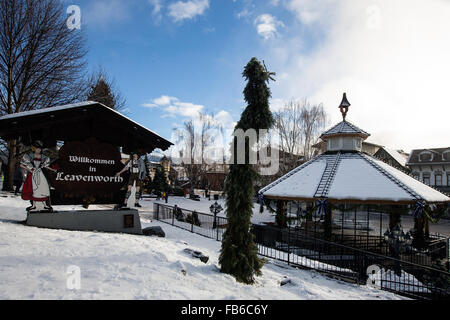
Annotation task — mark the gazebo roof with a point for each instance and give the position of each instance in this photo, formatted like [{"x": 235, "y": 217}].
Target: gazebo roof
[
  {"x": 351, "y": 177},
  {"x": 345, "y": 128},
  {"x": 344, "y": 174}
]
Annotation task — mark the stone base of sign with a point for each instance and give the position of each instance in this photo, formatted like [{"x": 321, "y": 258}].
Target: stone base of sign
[{"x": 123, "y": 221}]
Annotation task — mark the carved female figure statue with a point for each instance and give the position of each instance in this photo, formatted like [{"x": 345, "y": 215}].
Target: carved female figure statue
[{"x": 36, "y": 187}]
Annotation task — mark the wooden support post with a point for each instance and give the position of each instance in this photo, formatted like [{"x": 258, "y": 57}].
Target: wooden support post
[
  {"x": 280, "y": 217},
  {"x": 327, "y": 224}
]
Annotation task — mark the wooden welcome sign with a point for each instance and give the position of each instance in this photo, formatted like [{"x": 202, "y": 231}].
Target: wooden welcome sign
[{"x": 86, "y": 173}]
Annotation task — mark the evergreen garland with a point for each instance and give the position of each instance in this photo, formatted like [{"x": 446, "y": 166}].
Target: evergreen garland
[{"x": 239, "y": 253}]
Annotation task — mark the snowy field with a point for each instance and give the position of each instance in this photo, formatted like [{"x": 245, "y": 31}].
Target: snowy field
[{"x": 34, "y": 264}]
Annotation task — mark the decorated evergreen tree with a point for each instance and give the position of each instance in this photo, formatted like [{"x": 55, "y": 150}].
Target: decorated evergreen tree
[
  {"x": 238, "y": 255},
  {"x": 103, "y": 89},
  {"x": 160, "y": 181}
]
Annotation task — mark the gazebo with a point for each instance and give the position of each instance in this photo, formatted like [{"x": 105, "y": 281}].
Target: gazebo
[{"x": 351, "y": 198}]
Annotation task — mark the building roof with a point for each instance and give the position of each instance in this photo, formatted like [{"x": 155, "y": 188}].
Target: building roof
[
  {"x": 351, "y": 177},
  {"x": 78, "y": 122},
  {"x": 344, "y": 128},
  {"x": 399, "y": 157},
  {"x": 438, "y": 156}
]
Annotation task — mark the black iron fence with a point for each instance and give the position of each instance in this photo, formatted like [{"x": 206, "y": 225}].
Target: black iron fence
[
  {"x": 353, "y": 264},
  {"x": 363, "y": 260},
  {"x": 200, "y": 223}
]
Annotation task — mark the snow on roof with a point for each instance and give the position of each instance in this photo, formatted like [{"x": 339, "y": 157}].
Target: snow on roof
[
  {"x": 397, "y": 156},
  {"x": 357, "y": 179},
  {"x": 351, "y": 176},
  {"x": 345, "y": 127},
  {"x": 71, "y": 106},
  {"x": 45, "y": 110},
  {"x": 424, "y": 191},
  {"x": 302, "y": 184}
]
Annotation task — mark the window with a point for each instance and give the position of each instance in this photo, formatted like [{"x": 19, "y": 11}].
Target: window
[
  {"x": 426, "y": 178},
  {"x": 334, "y": 144},
  {"x": 438, "y": 179},
  {"x": 448, "y": 179},
  {"x": 416, "y": 175},
  {"x": 425, "y": 156},
  {"x": 347, "y": 144},
  {"x": 446, "y": 155}
]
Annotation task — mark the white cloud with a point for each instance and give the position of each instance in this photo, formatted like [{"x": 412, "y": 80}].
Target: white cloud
[
  {"x": 267, "y": 25},
  {"x": 164, "y": 100},
  {"x": 182, "y": 10},
  {"x": 172, "y": 106},
  {"x": 316, "y": 11},
  {"x": 157, "y": 8},
  {"x": 391, "y": 57}
]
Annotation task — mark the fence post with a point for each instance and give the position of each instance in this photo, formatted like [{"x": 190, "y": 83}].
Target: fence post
[
  {"x": 217, "y": 232},
  {"x": 156, "y": 211},
  {"x": 448, "y": 254},
  {"x": 289, "y": 244},
  {"x": 192, "y": 222},
  {"x": 175, "y": 209}
]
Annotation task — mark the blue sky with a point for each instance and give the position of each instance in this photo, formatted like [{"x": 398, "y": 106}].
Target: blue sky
[
  {"x": 198, "y": 60},
  {"x": 172, "y": 58}
]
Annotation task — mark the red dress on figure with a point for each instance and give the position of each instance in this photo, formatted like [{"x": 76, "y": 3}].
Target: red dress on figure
[{"x": 27, "y": 191}]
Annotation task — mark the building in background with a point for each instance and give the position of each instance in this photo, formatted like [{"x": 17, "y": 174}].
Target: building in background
[
  {"x": 432, "y": 167},
  {"x": 395, "y": 158}
]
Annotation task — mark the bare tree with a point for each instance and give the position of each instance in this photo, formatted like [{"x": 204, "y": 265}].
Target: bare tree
[
  {"x": 288, "y": 125},
  {"x": 298, "y": 125},
  {"x": 314, "y": 119},
  {"x": 186, "y": 140},
  {"x": 41, "y": 61},
  {"x": 194, "y": 139},
  {"x": 103, "y": 89}
]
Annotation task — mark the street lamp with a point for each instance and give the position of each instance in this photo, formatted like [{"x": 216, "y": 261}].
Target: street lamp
[
  {"x": 398, "y": 240},
  {"x": 215, "y": 209}
]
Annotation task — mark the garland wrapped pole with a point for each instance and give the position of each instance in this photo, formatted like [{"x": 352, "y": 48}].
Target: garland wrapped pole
[{"x": 239, "y": 253}]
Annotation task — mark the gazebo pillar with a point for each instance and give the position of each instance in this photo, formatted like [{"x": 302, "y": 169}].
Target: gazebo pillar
[
  {"x": 281, "y": 217},
  {"x": 419, "y": 234},
  {"x": 327, "y": 224},
  {"x": 394, "y": 217}
]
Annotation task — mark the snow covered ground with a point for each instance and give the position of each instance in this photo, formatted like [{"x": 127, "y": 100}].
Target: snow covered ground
[{"x": 36, "y": 264}]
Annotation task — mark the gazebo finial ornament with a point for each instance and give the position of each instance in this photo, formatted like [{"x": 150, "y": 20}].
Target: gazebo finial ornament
[{"x": 344, "y": 106}]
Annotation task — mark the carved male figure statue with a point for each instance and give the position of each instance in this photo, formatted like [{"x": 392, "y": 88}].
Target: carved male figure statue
[{"x": 138, "y": 172}]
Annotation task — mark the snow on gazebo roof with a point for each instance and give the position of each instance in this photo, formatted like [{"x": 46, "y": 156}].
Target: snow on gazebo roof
[
  {"x": 351, "y": 177},
  {"x": 345, "y": 174}
]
